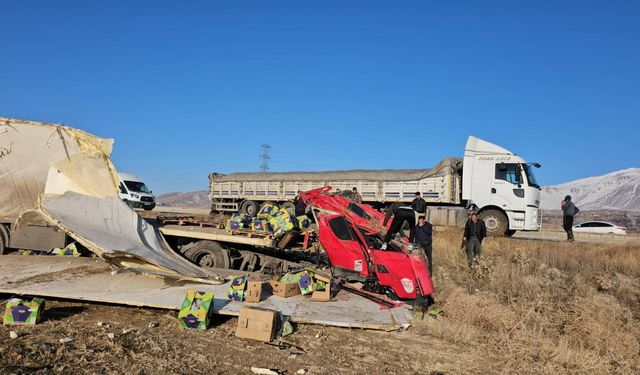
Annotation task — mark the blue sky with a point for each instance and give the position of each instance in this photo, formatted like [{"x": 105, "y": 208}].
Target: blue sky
[{"x": 191, "y": 87}]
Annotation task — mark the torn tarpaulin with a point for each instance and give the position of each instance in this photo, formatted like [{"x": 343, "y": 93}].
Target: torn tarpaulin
[{"x": 65, "y": 176}]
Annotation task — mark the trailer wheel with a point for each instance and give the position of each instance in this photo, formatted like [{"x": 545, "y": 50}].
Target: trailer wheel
[
  {"x": 4, "y": 238},
  {"x": 495, "y": 221},
  {"x": 290, "y": 207},
  {"x": 207, "y": 254},
  {"x": 249, "y": 208}
]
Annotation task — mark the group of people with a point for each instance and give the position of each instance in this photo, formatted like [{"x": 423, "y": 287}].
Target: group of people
[
  {"x": 421, "y": 234},
  {"x": 421, "y": 231}
]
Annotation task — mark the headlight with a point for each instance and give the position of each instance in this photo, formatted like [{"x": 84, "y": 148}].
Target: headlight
[
  {"x": 136, "y": 196},
  {"x": 407, "y": 285}
]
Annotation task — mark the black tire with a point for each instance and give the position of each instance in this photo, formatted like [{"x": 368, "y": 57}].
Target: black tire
[
  {"x": 249, "y": 208},
  {"x": 510, "y": 233},
  {"x": 289, "y": 206},
  {"x": 207, "y": 254},
  {"x": 496, "y": 222},
  {"x": 4, "y": 239}
]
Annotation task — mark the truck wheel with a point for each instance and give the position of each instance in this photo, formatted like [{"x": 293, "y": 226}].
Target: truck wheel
[
  {"x": 495, "y": 221},
  {"x": 249, "y": 208},
  {"x": 207, "y": 254},
  {"x": 4, "y": 238},
  {"x": 290, "y": 207}
]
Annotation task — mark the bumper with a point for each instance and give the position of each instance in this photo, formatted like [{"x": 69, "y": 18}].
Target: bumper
[
  {"x": 533, "y": 218},
  {"x": 144, "y": 205}
]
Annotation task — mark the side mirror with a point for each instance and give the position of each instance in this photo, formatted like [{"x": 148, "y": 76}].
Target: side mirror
[{"x": 537, "y": 165}]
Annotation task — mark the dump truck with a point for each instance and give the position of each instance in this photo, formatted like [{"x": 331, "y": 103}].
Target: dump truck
[{"x": 490, "y": 180}]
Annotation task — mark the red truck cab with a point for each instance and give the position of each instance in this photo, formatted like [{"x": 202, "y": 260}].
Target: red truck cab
[{"x": 351, "y": 235}]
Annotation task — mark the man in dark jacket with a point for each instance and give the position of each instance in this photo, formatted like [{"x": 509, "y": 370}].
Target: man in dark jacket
[
  {"x": 419, "y": 205},
  {"x": 569, "y": 210},
  {"x": 474, "y": 232},
  {"x": 401, "y": 212},
  {"x": 424, "y": 238}
]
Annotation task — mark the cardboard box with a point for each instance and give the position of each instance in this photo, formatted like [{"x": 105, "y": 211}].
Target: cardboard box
[
  {"x": 21, "y": 312},
  {"x": 257, "y": 323},
  {"x": 254, "y": 289},
  {"x": 236, "y": 289},
  {"x": 305, "y": 282},
  {"x": 196, "y": 310},
  {"x": 322, "y": 287},
  {"x": 284, "y": 289}
]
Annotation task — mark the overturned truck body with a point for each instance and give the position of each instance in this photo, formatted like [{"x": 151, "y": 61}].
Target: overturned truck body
[{"x": 59, "y": 184}]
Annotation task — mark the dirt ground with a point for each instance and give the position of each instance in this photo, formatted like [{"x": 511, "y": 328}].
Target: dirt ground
[
  {"x": 142, "y": 349},
  {"x": 529, "y": 307}
]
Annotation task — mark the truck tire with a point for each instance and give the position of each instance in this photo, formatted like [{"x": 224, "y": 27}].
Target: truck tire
[
  {"x": 249, "y": 208},
  {"x": 496, "y": 222},
  {"x": 290, "y": 207},
  {"x": 207, "y": 254},
  {"x": 4, "y": 238}
]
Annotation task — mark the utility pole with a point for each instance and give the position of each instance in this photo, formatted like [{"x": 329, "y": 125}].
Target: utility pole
[{"x": 264, "y": 166}]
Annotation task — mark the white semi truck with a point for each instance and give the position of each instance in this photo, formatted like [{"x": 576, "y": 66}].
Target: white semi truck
[{"x": 491, "y": 180}]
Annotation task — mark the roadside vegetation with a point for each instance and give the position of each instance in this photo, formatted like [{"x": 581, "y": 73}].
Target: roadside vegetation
[{"x": 541, "y": 306}]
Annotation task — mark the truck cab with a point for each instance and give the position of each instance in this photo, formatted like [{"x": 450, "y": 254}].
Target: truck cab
[
  {"x": 502, "y": 187},
  {"x": 135, "y": 193}
]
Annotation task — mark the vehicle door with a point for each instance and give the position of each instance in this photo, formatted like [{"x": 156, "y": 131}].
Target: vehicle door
[
  {"x": 507, "y": 190},
  {"x": 122, "y": 191},
  {"x": 341, "y": 244}
]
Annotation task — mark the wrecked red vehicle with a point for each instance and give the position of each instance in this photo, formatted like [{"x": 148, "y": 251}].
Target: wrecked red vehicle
[{"x": 351, "y": 235}]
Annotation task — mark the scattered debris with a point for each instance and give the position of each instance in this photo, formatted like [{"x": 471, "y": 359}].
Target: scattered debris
[
  {"x": 301, "y": 371},
  {"x": 13, "y": 335},
  {"x": 265, "y": 371},
  {"x": 111, "y": 335},
  {"x": 65, "y": 340},
  {"x": 153, "y": 325}
]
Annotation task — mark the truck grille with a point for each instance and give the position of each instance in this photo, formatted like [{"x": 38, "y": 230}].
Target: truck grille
[{"x": 146, "y": 199}]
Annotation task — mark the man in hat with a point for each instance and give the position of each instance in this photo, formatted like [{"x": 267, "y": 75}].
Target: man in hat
[{"x": 569, "y": 210}]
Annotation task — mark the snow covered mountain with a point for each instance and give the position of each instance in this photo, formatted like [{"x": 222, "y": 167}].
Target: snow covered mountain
[{"x": 613, "y": 191}]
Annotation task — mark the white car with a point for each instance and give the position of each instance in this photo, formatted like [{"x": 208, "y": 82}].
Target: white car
[{"x": 601, "y": 227}]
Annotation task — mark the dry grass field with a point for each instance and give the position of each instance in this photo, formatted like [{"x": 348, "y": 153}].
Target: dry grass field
[{"x": 542, "y": 306}]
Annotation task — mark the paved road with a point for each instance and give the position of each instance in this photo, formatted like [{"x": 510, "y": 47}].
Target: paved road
[{"x": 580, "y": 237}]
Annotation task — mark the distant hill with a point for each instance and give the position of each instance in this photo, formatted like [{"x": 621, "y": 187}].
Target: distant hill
[
  {"x": 613, "y": 191},
  {"x": 190, "y": 199}
]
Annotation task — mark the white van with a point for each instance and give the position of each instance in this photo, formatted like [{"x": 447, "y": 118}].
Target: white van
[{"x": 135, "y": 193}]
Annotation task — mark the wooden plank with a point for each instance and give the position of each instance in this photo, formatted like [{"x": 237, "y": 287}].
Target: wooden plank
[
  {"x": 215, "y": 234},
  {"x": 91, "y": 280}
]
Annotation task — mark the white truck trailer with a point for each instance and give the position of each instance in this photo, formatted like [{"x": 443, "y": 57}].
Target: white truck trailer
[{"x": 491, "y": 180}]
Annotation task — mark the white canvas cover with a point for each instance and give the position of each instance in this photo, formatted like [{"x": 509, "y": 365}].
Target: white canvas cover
[{"x": 65, "y": 176}]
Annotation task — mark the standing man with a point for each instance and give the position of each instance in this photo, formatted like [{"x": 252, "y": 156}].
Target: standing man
[
  {"x": 569, "y": 210},
  {"x": 424, "y": 238},
  {"x": 474, "y": 232},
  {"x": 401, "y": 213},
  {"x": 355, "y": 196},
  {"x": 419, "y": 205}
]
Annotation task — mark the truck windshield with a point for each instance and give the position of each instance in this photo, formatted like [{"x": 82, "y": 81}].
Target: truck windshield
[
  {"x": 138, "y": 187},
  {"x": 528, "y": 170}
]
